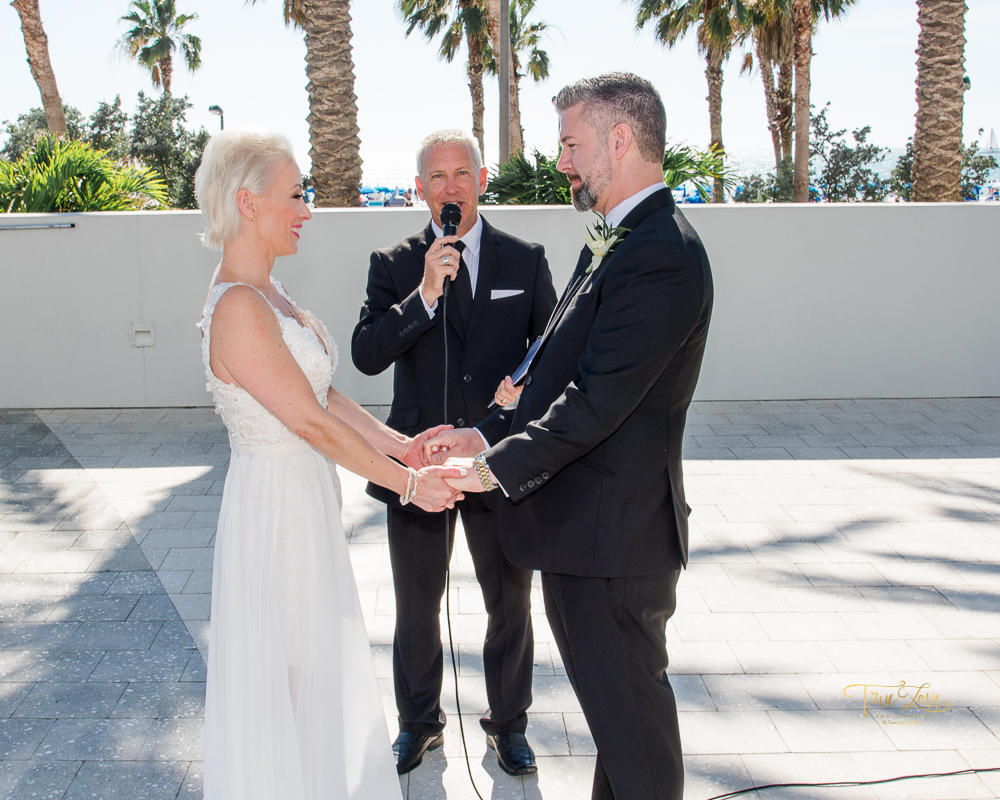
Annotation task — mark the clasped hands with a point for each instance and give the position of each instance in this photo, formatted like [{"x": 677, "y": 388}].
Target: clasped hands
[
  {"x": 442, "y": 480},
  {"x": 443, "y": 457}
]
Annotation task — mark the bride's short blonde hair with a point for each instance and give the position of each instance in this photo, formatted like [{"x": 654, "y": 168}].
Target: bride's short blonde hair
[{"x": 235, "y": 160}]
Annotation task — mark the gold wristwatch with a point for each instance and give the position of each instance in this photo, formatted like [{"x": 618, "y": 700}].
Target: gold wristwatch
[{"x": 484, "y": 472}]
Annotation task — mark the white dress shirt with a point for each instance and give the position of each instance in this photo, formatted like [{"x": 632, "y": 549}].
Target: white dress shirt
[
  {"x": 617, "y": 214},
  {"x": 470, "y": 256}
]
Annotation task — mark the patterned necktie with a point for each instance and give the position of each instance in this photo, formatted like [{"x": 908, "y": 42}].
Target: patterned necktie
[{"x": 461, "y": 288}]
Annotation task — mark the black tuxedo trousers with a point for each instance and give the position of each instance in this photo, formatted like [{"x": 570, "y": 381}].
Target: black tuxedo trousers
[{"x": 419, "y": 550}]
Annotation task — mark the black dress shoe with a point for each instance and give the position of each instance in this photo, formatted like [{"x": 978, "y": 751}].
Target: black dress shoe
[
  {"x": 514, "y": 754},
  {"x": 410, "y": 749}
]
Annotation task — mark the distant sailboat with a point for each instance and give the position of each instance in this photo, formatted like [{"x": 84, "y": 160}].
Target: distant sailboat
[{"x": 993, "y": 149}]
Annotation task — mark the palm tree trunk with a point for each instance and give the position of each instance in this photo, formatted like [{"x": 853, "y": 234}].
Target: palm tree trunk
[
  {"x": 333, "y": 106},
  {"x": 784, "y": 100},
  {"x": 515, "y": 104},
  {"x": 37, "y": 45},
  {"x": 492, "y": 8},
  {"x": 802, "y": 30},
  {"x": 475, "y": 44},
  {"x": 770, "y": 102},
  {"x": 937, "y": 144},
  {"x": 167, "y": 72},
  {"x": 713, "y": 71}
]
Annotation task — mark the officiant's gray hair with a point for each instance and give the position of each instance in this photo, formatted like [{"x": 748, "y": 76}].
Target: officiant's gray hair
[
  {"x": 619, "y": 97},
  {"x": 235, "y": 160},
  {"x": 448, "y": 138}
]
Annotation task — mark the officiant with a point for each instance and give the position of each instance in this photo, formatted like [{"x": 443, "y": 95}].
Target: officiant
[{"x": 499, "y": 302}]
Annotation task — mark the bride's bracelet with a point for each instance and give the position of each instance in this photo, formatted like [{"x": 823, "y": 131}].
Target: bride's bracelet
[{"x": 411, "y": 487}]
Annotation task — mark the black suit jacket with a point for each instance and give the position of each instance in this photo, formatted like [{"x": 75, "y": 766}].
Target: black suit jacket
[
  {"x": 395, "y": 329},
  {"x": 592, "y": 454}
]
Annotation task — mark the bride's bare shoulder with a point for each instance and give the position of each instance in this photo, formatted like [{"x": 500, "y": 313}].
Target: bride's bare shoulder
[{"x": 242, "y": 305}]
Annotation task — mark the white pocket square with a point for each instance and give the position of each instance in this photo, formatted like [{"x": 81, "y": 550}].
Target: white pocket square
[{"x": 499, "y": 294}]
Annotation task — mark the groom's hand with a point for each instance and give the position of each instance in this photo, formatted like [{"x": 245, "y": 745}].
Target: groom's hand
[
  {"x": 441, "y": 262},
  {"x": 413, "y": 449},
  {"x": 457, "y": 443}
]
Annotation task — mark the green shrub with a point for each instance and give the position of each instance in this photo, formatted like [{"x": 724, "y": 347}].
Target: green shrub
[
  {"x": 521, "y": 182},
  {"x": 60, "y": 175}
]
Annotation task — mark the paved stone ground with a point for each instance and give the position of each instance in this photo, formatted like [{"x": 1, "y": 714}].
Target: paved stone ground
[{"x": 834, "y": 543}]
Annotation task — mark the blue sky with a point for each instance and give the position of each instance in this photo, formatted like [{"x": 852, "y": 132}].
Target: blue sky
[{"x": 865, "y": 66}]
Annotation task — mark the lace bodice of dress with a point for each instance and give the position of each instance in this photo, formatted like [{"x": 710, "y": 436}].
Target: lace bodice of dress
[{"x": 247, "y": 421}]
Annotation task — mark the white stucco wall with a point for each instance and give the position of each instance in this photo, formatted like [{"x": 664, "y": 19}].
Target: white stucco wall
[{"x": 811, "y": 301}]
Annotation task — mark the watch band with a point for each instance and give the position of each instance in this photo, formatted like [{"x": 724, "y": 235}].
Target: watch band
[{"x": 484, "y": 472}]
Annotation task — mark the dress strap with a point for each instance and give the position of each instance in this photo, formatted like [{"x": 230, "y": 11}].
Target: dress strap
[
  {"x": 308, "y": 318},
  {"x": 215, "y": 294}
]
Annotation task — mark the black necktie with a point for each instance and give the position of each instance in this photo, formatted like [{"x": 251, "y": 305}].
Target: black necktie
[{"x": 461, "y": 287}]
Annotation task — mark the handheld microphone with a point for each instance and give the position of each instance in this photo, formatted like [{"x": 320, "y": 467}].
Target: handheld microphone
[{"x": 451, "y": 216}]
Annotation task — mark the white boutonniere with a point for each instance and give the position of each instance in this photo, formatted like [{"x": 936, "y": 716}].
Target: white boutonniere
[{"x": 602, "y": 240}]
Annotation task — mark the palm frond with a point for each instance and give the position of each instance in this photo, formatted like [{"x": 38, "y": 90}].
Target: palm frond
[
  {"x": 62, "y": 176},
  {"x": 157, "y": 31},
  {"x": 519, "y": 182},
  {"x": 682, "y": 163}
]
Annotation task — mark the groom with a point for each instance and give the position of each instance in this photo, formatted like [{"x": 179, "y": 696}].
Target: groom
[{"x": 589, "y": 458}]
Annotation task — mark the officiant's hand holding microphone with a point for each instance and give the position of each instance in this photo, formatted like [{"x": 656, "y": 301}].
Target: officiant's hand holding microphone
[{"x": 442, "y": 259}]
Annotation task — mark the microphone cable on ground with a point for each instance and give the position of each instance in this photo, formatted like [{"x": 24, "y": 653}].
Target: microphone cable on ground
[
  {"x": 448, "y": 548},
  {"x": 845, "y": 784}
]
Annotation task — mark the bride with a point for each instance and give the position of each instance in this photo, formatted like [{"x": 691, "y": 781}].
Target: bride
[{"x": 292, "y": 709}]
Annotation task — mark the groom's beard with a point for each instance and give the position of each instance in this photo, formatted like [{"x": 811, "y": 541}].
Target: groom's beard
[{"x": 585, "y": 198}]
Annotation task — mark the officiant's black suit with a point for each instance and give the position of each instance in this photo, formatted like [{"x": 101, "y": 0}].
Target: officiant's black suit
[
  {"x": 395, "y": 329},
  {"x": 590, "y": 456}
]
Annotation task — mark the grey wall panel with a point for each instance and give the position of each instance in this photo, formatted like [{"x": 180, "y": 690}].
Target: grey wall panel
[{"x": 811, "y": 301}]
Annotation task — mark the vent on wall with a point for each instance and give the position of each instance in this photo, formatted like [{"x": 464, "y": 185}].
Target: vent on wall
[{"x": 143, "y": 334}]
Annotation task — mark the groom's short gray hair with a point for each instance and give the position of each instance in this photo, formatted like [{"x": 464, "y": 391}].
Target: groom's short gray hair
[
  {"x": 620, "y": 97},
  {"x": 449, "y": 137}
]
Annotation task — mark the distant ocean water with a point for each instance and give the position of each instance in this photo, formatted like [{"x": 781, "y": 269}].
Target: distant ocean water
[
  {"x": 390, "y": 168},
  {"x": 396, "y": 168}
]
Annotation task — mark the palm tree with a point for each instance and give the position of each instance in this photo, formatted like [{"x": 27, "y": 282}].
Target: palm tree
[
  {"x": 333, "y": 107},
  {"x": 516, "y": 137},
  {"x": 771, "y": 30},
  {"x": 937, "y": 144},
  {"x": 524, "y": 39},
  {"x": 804, "y": 15},
  {"x": 37, "y": 45},
  {"x": 721, "y": 24},
  {"x": 157, "y": 31},
  {"x": 802, "y": 25},
  {"x": 459, "y": 20},
  {"x": 773, "y": 37}
]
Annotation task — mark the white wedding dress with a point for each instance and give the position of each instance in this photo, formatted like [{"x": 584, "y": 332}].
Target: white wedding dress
[{"x": 292, "y": 709}]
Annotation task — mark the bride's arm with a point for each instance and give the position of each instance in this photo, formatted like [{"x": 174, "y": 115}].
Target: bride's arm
[
  {"x": 247, "y": 349},
  {"x": 392, "y": 443}
]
